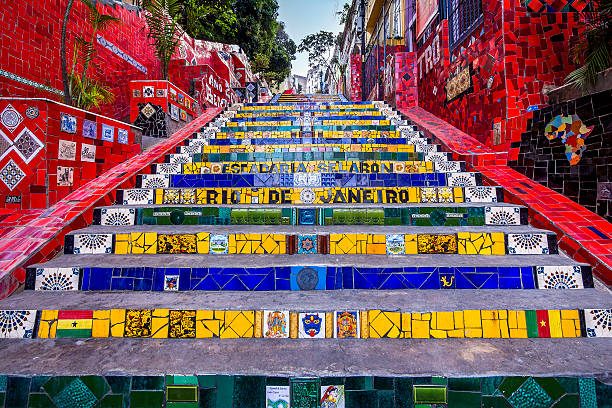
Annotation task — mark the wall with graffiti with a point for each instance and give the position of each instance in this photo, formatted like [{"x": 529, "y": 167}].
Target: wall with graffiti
[{"x": 566, "y": 147}]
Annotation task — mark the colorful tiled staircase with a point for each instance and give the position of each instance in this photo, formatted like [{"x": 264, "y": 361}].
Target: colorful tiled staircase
[{"x": 332, "y": 215}]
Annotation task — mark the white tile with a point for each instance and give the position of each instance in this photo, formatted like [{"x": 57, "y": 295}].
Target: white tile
[
  {"x": 57, "y": 279},
  {"x": 93, "y": 243},
  {"x": 461, "y": 179},
  {"x": 527, "y": 244},
  {"x": 502, "y": 216},
  {"x": 134, "y": 196},
  {"x": 277, "y": 396},
  {"x": 332, "y": 396},
  {"x": 598, "y": 322},
  {"x": 347, "y": 324},
  {"x": 117, "y": 216},
  {"x": 17, "y": 324},
  {"x": 311, "y": 325},
  {"x": 155, "y": 180},
  {"x": 560, "y": 277},
  {"x": 481, "y": 194},
  {"x": 395, "y": 244},
  {"x": 276, "y": 324}
]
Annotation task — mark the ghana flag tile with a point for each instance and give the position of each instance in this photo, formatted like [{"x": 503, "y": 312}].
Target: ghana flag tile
[{"x": 74, "y": 323}]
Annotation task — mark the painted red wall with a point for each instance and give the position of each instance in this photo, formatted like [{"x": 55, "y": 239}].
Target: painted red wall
[
  {"x": 30, "y": 33},
  {"x": 511, "y": 63}
]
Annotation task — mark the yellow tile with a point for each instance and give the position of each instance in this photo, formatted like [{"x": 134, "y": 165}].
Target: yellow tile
[
  {"x": 239, "y": 324},
  {"x": 518, "y": 333},
  {"x": 293, "y": 324},
  {"x": 410, "y": 244},
  {"x": 457, "y": 333},
  {"x": 203, "y": 242},
  {"x": 458, "y": 317},
  {"x": 329, "y": 325},
  {"x": 490, "y": 329},
  {"x": 438, "y": 334},
  {"x": 159, "y": 323},
  {"x": 473, "y": 333},
  {"x": 258, "y": 326},
  {"x": 521, "y": 320},
  {"x": 445, "y": 321},
  {"x": 503, "y": 328},
  {"x": 420, "y": 329},
  {"x": 101, "y": 323},
  {"x": 471, "y": 318},
  {"x": 364, "y": 325},
  {"x": 488, "y": 314},
  {"x": 117, "y": 322},
  {"x": 123, "y": 244},
  {"x": 47, "y": 324},
  {"x": 406, "y": 322},
  {"x": 569, "y": 314},
  {"x": 568, "y": 328},
  {"x": 207, "y": 324},
  {"x": 554, "y": 323},
  {"x": 512, "y": 320}
]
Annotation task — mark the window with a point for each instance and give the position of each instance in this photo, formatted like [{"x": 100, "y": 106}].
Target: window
[{"x": 463, "y": 18}]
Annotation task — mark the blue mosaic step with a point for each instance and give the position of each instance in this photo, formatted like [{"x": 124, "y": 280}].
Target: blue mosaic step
[
  {"x": 408, "y": 215},
  {"x": 311, "y": 128},
  {"x": 305, "y": 156},
  {"x": 301, "y": 116},
  {"x": 306, "y": 277},
  {"x": 312, "y": 180}
]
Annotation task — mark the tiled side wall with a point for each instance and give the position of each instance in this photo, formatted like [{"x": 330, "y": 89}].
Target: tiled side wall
[
  {"x": 588, "y": 182},
  {"x": 48, "y": 150},
  {"x": 355, "y": 78},
  {"x": 32, "y": 53}
]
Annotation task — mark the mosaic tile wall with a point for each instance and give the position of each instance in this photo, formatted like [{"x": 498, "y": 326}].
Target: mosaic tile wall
[
  {"x": 210, "y": 391},
  {"x": 509, "y": 66},
  {"x": 574, "y": 165},
  {"x": 48, "y": 150},
  {"x": 42, "y": 64}
]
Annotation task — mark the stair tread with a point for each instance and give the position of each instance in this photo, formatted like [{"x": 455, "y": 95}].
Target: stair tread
[
  {"x": 411, "y": 300},
  {"x": 304, "y": 357},
  {"x": 335, "y": 205},
  {"x": 306, "y": 229},
  {"x": 262, "y": 261}
]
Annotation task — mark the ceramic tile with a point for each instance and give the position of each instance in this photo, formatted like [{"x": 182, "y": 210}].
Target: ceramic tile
[
  {"x": 155, "y": 181},
  {"x": 461, "y": 179},
  {"x": 275, "y": 324},
  {"x": 219, "y": 244},
  {"x": 307, "y": 244},
  {"x": 277, "y": 396},
  {"x": 332, "y": 396},
  {"x": 559, "y": 277},
  {"x": 311, "y": 325},
  {"x": 481, "y": 194},
  {"x": 536, "y": 244},
  {"x": 171, "y": 283},
  {"x": 136, "y": 196},
  {"x": 182, "y": 324},
  {"x": 93, "y": 244},
  {"x": 138, "y": 323},
  {"x": 395, "y": 244},
  {"x": 57, "y": 278},
  {"x": 17, "y": 323},
  {"x": 598, "y": 322},
  {"x": 308, "y": 278},
  {"x": 117, "y": 216},
  {"x": 347, "y": 325},
  {"x": 502, "y": 215}
]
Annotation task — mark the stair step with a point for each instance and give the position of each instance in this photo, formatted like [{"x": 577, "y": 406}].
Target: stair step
[{"x": 243, "y": 155}]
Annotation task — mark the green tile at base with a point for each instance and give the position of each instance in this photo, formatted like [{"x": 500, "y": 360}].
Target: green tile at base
[
  {"x": 225, "y": 391},
  {"x": 511, "y": 384},
  {"x": 207, "y": 381},
  {"x": 36, "y": 401},
  {"x": 568, "y": 401},
  {"x": 385, "y": 399},
  {"x": 464, "y": 384},
  {"x": 495, "y": 402},
  {"x": 551, "y": 386},
  {"x": 181, "y": 393},
  {"x": 111, "y": 401},
  {"x": 464, "y": 399},
  {"x": 96, "y": 384},
  {"x": 147, "y": 399},
  {"x": 148, "y": 383},
  {"x": 182, "y": 405},
  {"x": 249, "y": 391},
  {"x": 361, "y": 399},
  {"x": 383, "y": 383},
  {"x": 429, "y": 394}
]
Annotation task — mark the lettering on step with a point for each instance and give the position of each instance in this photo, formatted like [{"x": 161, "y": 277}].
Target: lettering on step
[{"x": 345, "y": 167}]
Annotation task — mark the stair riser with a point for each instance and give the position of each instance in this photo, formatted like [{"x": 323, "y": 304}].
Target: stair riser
[
  {"x": 413, "y": 216},
  {"x": 283, "y": 278},
  {"x": 288, "y": 156},
  {"x": 462, "y": 243}
]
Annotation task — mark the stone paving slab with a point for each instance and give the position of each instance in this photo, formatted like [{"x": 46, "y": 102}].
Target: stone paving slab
[
  {"x": 310, "y": 229},
  {"x": 261, "y": 261},
  {"x": 341, "y": 357},
  {"x": 418, "y": 301}
]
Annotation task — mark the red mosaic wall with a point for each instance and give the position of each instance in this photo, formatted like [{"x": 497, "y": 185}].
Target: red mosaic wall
[
  {"x": 511, "y": 63},
  {"x": 41, "y": 163},
  {"x": 355, "y": 77},
  {"x": 32, "y": 51},
  {"x": 164, "y": 93},
  {"x": 406, "y": 92}
]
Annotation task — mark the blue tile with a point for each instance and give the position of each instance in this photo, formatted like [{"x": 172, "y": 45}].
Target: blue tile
[
  {"x": 205, "y": 284},
  {"x": 510, "y": 283},
  {"x": 432, "y": 282},
  {"x": 122, "y": 284},
  {"x": 143, "y": 284},
  {"x": 235, "y": 284},
  {"x": 527, "y": 278}
]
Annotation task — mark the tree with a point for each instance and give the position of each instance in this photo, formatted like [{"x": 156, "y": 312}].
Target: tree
[
  {"x": 79, "y": 89},
  {"x": 344, "y": 12},
  {"x": 162, "y": 19},
  {"x": 318, "y": 46},
  {"x": 283, "y": 52},
  {"x": 593, "y": 48}
]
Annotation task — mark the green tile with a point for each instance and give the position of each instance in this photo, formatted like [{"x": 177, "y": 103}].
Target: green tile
[
  {"x": 181, "y": 393},
  {"x": 438, "y": 380},
  {"x": 354, "y": 383},
  {"x": 429, "y": 394},
  {"x": 464, "y": 399},
  {"x": 38, "y": 401},
  {"x": 277, "y": 381},
  {"x": 403, "y": 392},
  {"x": 568, "y": 401},
  {"x": 146, "y": 399},
  {"x": 532, "y": 323},
  {"x": 305, "y": 393},
  {"x": 225, "y": 391},
  {"x": 111, "y": 401},
  {"x": 181, "y": 380},
  {"x": 361, "y": 399},
  {"x": 207, "y": 381},
  {"x": 511, "y": 384},
  {"x": 464, "y": 384},
  {"x": 37, "y": 383},
  {"x": 383, "y": 383},
  {"x": 17, "y": 390},
  {"x": 604, "y": 395},
  {"x": 551, "y": 386},
  {"x": 147, "y": 383},
  {"x": 249, "y": 391},
  {"x": 588, "y": 398},
  {"x": 488, "y": 385},
  {"x": 57, "y": 384},
  {"x": 182, "y": 405},
  {"x": 530, "y": 395},
  {"x": 75, "y": 395},
  {"x": 208, "y": 398},
  {"x": 2, "y": 383},
  {"x": 569, "y": 384},
  {"x": 385, "y": 399},
  {"x": 119, "y": 384},
  {"x": 495, "y": 402},
  {"x": 97, "y": 385},
  {"x": 2, "y": 398}
]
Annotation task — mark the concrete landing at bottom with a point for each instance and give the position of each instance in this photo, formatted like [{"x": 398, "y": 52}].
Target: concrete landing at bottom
[{"x": 331, "y": 357}]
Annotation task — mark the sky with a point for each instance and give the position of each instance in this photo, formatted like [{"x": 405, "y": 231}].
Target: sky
[{"x": 303, "y": 17}]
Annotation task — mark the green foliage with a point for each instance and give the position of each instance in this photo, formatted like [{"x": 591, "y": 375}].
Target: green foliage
[
  {"x": 593, "y": 48},
  {"x": 345, "y": 12},
  {"x": 86, "y": 92},
  {"x": 162, "y": 19},
  {"x": 318, "y": 47}
]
